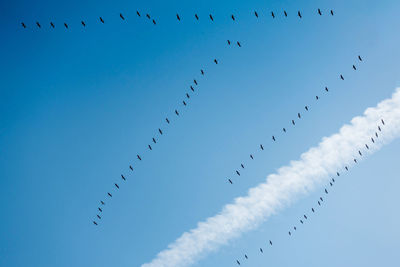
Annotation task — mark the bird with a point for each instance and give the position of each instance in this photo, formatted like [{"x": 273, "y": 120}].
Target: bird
[
  {"x": 154, "y": 140},
  {"x": 167, "y": 120},
  {"x": 298, "y": 115},
  {"x": 230, "y": 181},
  {"x": 338, "y": 174},
  {"x": 123, "y": 177},
  {"x": 321, "y": 198},
  {"x": 301, "y": 221},
  {"x": 100, "y": 209},
  {"x": 215, "y": 61},
  {"x": 306, "y": 107},
  {"x": 294, "y": 227},
  {"x": 273, "y": 138},
  {"x": 98, "y": 216},
  {"x": 376, "y": 134},
  {"x": 117, "y": 186},
  {"x": 262, "y": 147},
  {"x": 355, "y": 160},
  {"x": 139, "y": 157},
  {"x": 211, "y": 17},
  {"x": 256, "y": 14},
  {"x": 229, "y": 42},
  {"x": 195, "y": 82},
  {"x": 239, "y": 44},
  {"x": 383, "y": 122},
  {"x": 245, "y": 256},
  {"x": 273, "y": 15},
  {"x": 52, "y": 24},
  {"x": 197, "y": 17},
  {"x": 176, "y": 112},
  {"x": 366, "y": 146},
  {"x": 312, "y": 209},
  {"x": 284, "y": 130},
  {"x": 316, "y": 97},
  {"x": 354, "y": 67},
  {"x": 101, "y": 19},
  {"x": 121, "y": 16},
  {"x": 102, "y": 202},
  {"x": 319, "y": 203},
  {"x": 191, "y": 88},
  {"x": 238, "y": 262},
  {"x": 66, "y": 25},
  {"x": 299, "y": 14},
  {"x": 359, "y": 58},
  {"x": 284, "y": 12},
  {"x": 241, "y": 165},
  {"x": 326, "y": 191},
  {"x": 154, "y": 22},
  {"x": 293, "y": 122},
  {"x": 23, "y": 25},
  {"x": 346, "y": 168},
  {"x": 359, "y": 152},
  {"x": 331, "y": 12},
  {"x": 137, "y": 12},
  {"x": 238, "y": 173},
  {"x": 326, "y": 89},
  {"x": 109, "y": 194},
  {"x": 148, "y": 16},
  {"x": 83, "y": 23},
  {"x": 251, "y": 156},
  {"x": 184, "y": 103},
  {"x": 305, "y": 217},
  {"x": 150, "y": 147},
  {"x": 95, "y": 223},
  {"x": 372, "y": 139},
  {"x": 202, "y": 72},
  {"x": 341, "y": 77},
  {"x": 130, "y": 167},
  {"x": 270, "y": 242},
  {"x": 177, "y": 16},
  {"x": 38, "y": 24},
  {"x": 233, "y": 17},
  {"x": 319, "y": 12},
  {"x": 290, "y": 233},
  {"x": 261, "y": 250},
  {"x": 187, "y": 95}
]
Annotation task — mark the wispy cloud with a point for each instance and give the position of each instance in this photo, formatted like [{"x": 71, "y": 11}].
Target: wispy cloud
[{"x": 289, "y": 183}]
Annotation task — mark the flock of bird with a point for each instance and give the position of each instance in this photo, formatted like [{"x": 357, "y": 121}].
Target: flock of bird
[
  {"x": 293, "y": 122},
  {"x": 177, "y": 112},
  {"x": 304, "y": 218},
  {"x": 83, "y": 23}
]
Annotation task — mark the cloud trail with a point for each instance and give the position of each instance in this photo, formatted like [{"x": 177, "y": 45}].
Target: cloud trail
[{"x": 288, "y": 184}]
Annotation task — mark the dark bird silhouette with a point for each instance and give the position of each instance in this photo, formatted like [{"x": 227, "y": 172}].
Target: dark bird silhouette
[
  {"x": 123, "y": 177},
  {"x": 273, "y": 15},
  {"x": 139, "y": 157},
  {"x": 38, "y": 24},
  {"x": 238, "y": 43},
  {"x": 187, "y": 96},
  {"x": 101, "y": 19},
  {"x": 98, "y": 216},
  {"x": 262, "y": 147},
  {"x": 177, "y": 16},
  {"x": 293, "y": 122},
  {"x": 184, "y": 103},
  {"x": 319, "y": 203},
  {"x": 95, "y": 223},
  {"x": 372, "y": 139},
  {"x": 273, "y": 138},
  {"x": 191, "y": 88},
  {"x": 326, "y": 191},
  {"x": 284, "y": 12},
  {"x": 130, "y": 167},
  {"x": 256, "y": 14},
  {"x": 298, "y": 115},
  {"x": 66, "y": 25},
  {"x": 321, "y": 198},
  {"x": 305, "y": 217},
  {"x": 333, "y": 180},
  {"x": 83, "y": 23},
  {"x": 246, "y": 256},
  {"x": 137, "y": 12},
  {"x": 359, "y": 58},
  {"x": 109, "y": 194},
  {"x": 154, "y": 22},
  {"x": 299, "y": 14},
  {"x": 148, "y": 16},
  {"x": 341, "y": 77},
  {"x": 102, "y": 202},
  {"x": 215, "y": 61},
  {"x": 233, "y": 17},
  {"x": 270, "y": 242},
  {"x": 376, "y": 134},
  {"x": 121, "y": 16},
  {"x": 150, "y": 147},
  {"x": 195, "y": 82},
  {"x": 319, "y": 12},
  {"x": 347, "y": 169},
  {"x": 154, "y": 140},
  {"x": 229, "y": 42},
  {"x": 359, "y": 152},
  {"x": 230, "y": 181},
  {"x": 100, "y": 209},
  {"x": 312, "y": 209},
  {"x": 331, "y": 12},
  {"x": 241, "y": 165},
  {"x": 355, "y": 161},
  {"x": 176, "y": 112},
  {"x": 284, "y": 130},
  {"x": 211, "y": 17},
  {"x": 52, "y": 24},
  {"x": 294, "y": 227},
  {"x": 316, "y": 97},
  {"x": 238, "y": 262},
  {"x": 382, "y": 122},
  {"x": 354, "y": 67},
  {"x": 251, "y": 156},
  {"x": 290, "y": 233},
  {"x": 238, "y": 173},
  {"x": 338, "y": 174},
  {"x": 167, "y": 120},
  {"x": 23, "y": 25},
  {"x": 261, "y": 250},
  {"x": 330, "y": 183},
  {"x": 326, "y": 89},
  {"x": 366, "y": 146},
  {"x": 306, "y": 107},
  {"x": 202, "y": 72},
  {"x": 197, "y": 17},
  {"x": 117, "y": 186}
]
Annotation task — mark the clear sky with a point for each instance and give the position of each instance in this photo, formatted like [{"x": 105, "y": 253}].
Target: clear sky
[{"x": 77, "y": 105}]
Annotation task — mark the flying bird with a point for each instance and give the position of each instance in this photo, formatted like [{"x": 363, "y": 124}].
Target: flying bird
[
  {"x": 298, "y": 115},
  {"x": 139, "y": 157},
  {"x": 290, "y": 233},
  {"x": 167, "y": 120},
  {"x": 284, "y": 12},
  {"x": 272, "y": 14},
  {"x": 137, "y": 12},
  {"x": 354, "y": 67},
  {"x": 100, "y": 210},
  {"x": 319, "y": 12},
  {"x": 95, "y": 223},
  {"x": 238, "y": 262},
  {"x": 316, "y": 97},
  {"x": 148, "y": 16},
  {"x": 359, "y": 58},
  {"x": 211, "y": 17},
  {"x": 154, "y": 22},
  {"x": 312, "y": 209},
  {"x": 321, "y": 198},
  {"x": 187, "y": 96},
  {"x": 372, "y": 139},
  {"x": 233, "y": 17},
  {"x": 251, "y": 156},
  {"x": 305, "y": 217},
  {"x": 177, "y": 16},
  {"x": 98, "y": 216},
  {"x": 376, "y": 134},
  {"x": 191, "y": 88},
  {"x": 341, "y": 77},
  {"x": 150, "y": 147},
  {"x": 23, "y": 25},
  {"x": 306, "y": 107},
  {"x": 121, "y": 16},
  {"x": 326, "y": 89},
  {"x": 83, "y": 23},
  {"x": 246, "y": 256},
  {"x": 331, "y": 12},
  {"x": 293, "y": 122},
  {"x": 299, "y": 14},
  {"x": 102, "y": 202},
  {"x": 238, "y": 173},
  {"x": 273, "y": 138},
  {"x": 256, "y": 14},
  {"x": 154, "y": 140},
  {"x": 262, "y": 147},
  {"x": 366, "y": 146},
  {"x": 195, "y": 82},
  {"x": 359, "y": 152},
  {"x": 330, "y": 183},
  {"x": 109, "y": 194},
  {"x": 319, "y": 203},
  {"x": 346, "y": 168},
  {"x": 382, "y": 122},
  {"x": 117, "y": 186},
  {"x": 294, "y": 227},
  {"x": 197, "y": 17},
  {"x": 229, "y": 42},
  {"x": 355, "y": 160},
  {"x": 239, "y": 44},
  {"x": 176, "y": 112},
  {"x": 101, "y": 19},
  {"x": 261, "y": 250},
  {"x": 215, "y": 60},
  {"x": 301, "y": 221},
  {"x": 130, "y": 167},
  {"x": 230, "y": 181},
  {"x": 338, "y": 174},
  {"x": 66, "y": 25},
  {"x": 333, "y": 180},
  {"x": 241, "y": 165},
  {"x": 284, "y": 130},
  {"x": 38, "y": 24},
  {"x": 326, "y": 191},
  {"x": 202, "y": 72},
  {"x": 123, "y": 177}
]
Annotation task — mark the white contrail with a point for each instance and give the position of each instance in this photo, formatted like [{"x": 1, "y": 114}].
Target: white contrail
[{"x": 289, "y": 183}]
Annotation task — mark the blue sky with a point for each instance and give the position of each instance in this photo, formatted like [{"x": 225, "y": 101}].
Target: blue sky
[{"x": 77, "y": 105}]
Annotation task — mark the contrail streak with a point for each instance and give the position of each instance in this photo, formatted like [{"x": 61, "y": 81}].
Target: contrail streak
[{"x": 284, "y": 187}]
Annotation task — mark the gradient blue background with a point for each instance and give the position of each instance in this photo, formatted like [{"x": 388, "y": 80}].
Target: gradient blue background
[{"x": 77, "y": 105}]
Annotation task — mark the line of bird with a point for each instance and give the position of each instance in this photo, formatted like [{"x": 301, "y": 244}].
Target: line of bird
[
  {"x": 331, "y": 183},
  {"x": 154, "y": 140},
  {"x": 293, "y": 122},
  {"x": 179, "y": 18}
]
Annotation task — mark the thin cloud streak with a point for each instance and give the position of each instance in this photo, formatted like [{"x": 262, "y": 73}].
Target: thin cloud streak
[{"x": 284, "y": 187}]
